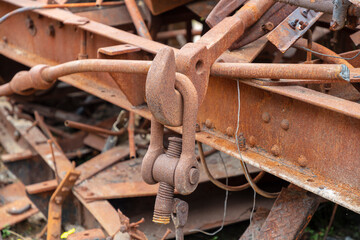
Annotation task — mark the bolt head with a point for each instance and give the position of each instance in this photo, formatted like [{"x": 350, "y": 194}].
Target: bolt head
[
  {"x": 194, "y": 176},
  {"x": 302, "y": 161},
  {"x": 230, "y": 131},
  {"x": 266, "y": 117},
  {"x": 252, "y": 141},
  {"x": 269, "y": 26},
  {"x": 275, "y": 150},
  {"x": 285, "y": 124},
  {"x": 208, "y": 123}
]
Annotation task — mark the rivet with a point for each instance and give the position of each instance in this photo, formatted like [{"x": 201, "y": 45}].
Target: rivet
[
  {"x": 230, "y": 131},
  {"x": 208, "y": 123},
  {"x": 275, "y": 150},
  {"x": 269, "y": 26},
  {"x": 302, "y": 161},
  {"x": 285, "y": 124},
  {"x": 58, "y": 200},
  {"x": 50, "y": 31},
  {"x": 265, "y": 117},
  {"x": 252, "y": 141}
]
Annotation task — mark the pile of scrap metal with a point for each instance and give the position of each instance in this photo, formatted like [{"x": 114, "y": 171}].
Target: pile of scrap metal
[{"x": 262, "y": 84}]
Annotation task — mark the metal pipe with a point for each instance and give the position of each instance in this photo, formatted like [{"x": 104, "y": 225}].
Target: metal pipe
[
  {"x": 326, "y": 6},
  {"x": 96, "y": 65},
  {"x": 42, "y": 76},
  {"x": 281, "y": 71},
  {"x": 93, "y": 129},
  {"x": 137, "y": 19}
]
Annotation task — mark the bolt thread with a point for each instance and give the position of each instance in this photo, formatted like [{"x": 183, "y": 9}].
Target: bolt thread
[
  {"x": 163, "y": 203},
  {"x": 165, "y": 197},
  {"x": 175, "y": 147}
]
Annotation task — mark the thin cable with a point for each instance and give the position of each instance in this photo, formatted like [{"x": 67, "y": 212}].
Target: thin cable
[
  {"x": 253, "y": 207},
  {"x": 218, "y": 183},
  {"x": 243, "y": 165},
  {"x": 225, "y": 206},
  {"x": 19, "y": 10},
  {"x": 326, "y": 55}
]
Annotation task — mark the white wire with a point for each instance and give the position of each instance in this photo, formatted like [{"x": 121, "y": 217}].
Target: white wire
[{"x": 225, "y": 207}]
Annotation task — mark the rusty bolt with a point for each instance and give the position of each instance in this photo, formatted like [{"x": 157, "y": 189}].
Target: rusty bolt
[
  {"x": 194, "y": 175},
  {"x": 285, "y": 124},
  {"x": 197, "y": 128},
  {"x": 302, "y": 161},
  {"x": 269, "y": 26},
  {"x": 230, "y": 131},
  {"x": 293, "y": 23},
  {"x": 50, "y": 31},
  {"x": 58, "y": 199},
  {"x": 252, "y": 141},
  {"x": 303, "y": 25},
  {"x": 208, "y": 123},
  {"x": 266, "y": 117},
  {"x": 305, "y": 13},
  {"x": 275, "y": 150}
]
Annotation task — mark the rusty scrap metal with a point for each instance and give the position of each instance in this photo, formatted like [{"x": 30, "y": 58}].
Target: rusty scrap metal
[
  {"x": 55, "y": 204},
  {"x": 93, "y": 129},
  {"x": 131, "y": 228},
  {"x": 91, "y": 234},
  {"x": 137, "y": 19},
  {"x": 13, "y": 157},
  {"x": 271, "y": 19},
  {"x": 282, "y": 71},
  {"x": 222, "y": 9},
  {"x": 179, "y": 217},
  {"x": 291, "y": 213},
  {"x": 293, "y": 27}
]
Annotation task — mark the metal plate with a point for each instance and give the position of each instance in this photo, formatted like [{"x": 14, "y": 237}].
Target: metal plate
[{"x": 293, "y": 28}]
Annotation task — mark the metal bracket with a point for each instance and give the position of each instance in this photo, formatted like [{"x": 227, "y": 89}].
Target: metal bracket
[{"x": 55, "y": 204}]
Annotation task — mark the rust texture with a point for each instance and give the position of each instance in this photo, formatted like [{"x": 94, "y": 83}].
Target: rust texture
[
  {"x": 289, "y": 216},
  {"x": 136, "y": 93}
]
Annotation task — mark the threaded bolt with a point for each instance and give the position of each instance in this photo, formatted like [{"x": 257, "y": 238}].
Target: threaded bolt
[{"x": 165, "y": 196}]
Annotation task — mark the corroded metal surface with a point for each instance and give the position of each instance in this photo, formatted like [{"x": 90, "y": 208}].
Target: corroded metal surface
[
  {"x": 289, "y": 216},
  {"x": 293, "y": 120}
]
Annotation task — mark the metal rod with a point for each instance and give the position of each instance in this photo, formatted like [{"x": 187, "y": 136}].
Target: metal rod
[
  {"x": 131, "y": 133},
  {"x": 92, "y": 129},
  {"x": 137, "y": 19},
  {"x": 96, "y": 65},
  {"x": 281, "y": 71},
  {"x": 229, "y": 70}
]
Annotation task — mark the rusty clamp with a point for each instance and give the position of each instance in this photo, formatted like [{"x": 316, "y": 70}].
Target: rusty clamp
[{"x": 161, "y": 82}]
